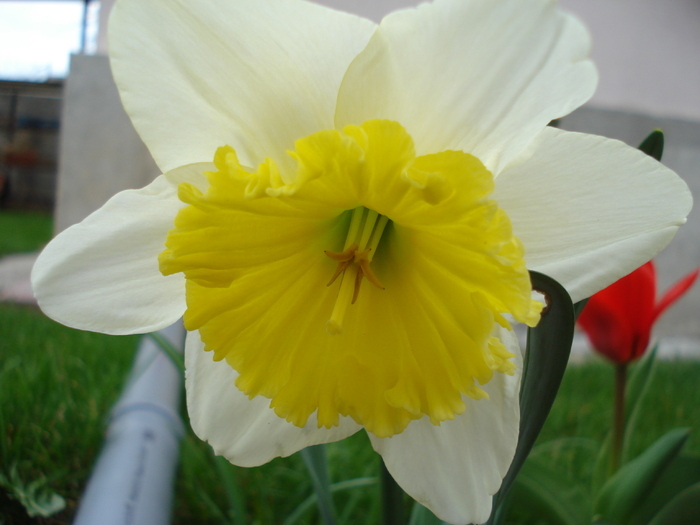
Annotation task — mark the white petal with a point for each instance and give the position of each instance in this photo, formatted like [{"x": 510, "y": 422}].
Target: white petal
[
  {"x": 102, "y": 274},
  {"x": 245, "y": 431},
  {"x": 481, "y": 76},
  {"x": 589, "y": 210},
  {"x": 253, "y": 74},
  {"x": 455, "y": 468}
]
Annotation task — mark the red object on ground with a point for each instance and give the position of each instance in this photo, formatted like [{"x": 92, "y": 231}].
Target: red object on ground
[{"x": 618, "y": 320}]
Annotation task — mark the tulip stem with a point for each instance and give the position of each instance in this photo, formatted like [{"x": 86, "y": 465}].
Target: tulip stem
[{"x": 618, "y": 415}]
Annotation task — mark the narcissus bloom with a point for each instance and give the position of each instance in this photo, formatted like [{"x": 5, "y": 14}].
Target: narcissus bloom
[
  {"x": 355, "y": 254},
  {"x": 618, "y": 320}
]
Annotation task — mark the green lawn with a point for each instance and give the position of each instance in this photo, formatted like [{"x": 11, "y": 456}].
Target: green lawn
[
  {"x": 58, "y": 384},
  {"x": 24, "y": 231}
]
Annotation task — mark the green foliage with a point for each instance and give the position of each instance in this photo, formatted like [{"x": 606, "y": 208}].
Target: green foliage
[
  {"x": 635, "y": 393},
  {"x": 422, "y": 516},
  {"x": 681, "y": 510},
  {"x": 655, "y": 485},
  {"x": 24, "y": 231},
  {"x": 58, "y": 385},
  {"x": 317, "y": 464},
  {"x": 392, "y": 498},
  {"x": 628, "y": 487},
  {"x": 680, "y": 475},
  {"x": 312, "y": 500},
  {"x": 228, "y": 475},
  {"x": 545, "y": 495},
  {"x": 546, "y": 357}
]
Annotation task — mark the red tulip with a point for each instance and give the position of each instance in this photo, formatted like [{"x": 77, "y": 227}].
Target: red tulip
[{"x": 618, "y": 320}]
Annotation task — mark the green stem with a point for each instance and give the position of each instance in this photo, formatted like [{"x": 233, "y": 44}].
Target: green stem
[
  {"x": 169, "y": 350},
  {"x": 618, "y": 415},
  {"x": 317, "y": 464},
  {"x": 392, "y": 498}
]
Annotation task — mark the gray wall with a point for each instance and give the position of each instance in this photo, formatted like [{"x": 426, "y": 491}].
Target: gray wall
[{"x": 100, "y": 152}]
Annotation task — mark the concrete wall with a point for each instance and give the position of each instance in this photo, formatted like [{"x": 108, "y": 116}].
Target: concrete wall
[
  {"x": 647, "y": 54},
  {"x": 100, "y": 152}
]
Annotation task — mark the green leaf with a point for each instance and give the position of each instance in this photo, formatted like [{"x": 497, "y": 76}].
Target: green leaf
[
  {"x": 234, "y": 495},
  {"x": 602, "y": 470},
  {"x": 548, "y": 348},
  {"x": 312, "y": 500},
  {"x": 637, "y": 388},
  {"x": 653, "y": 145},
  {"x": 317, "y": 464},
  {"x": 682, "y": 510},
  {"x": 543, "y": 494},
  {"x": 173, "y": 353},
  {"x": 628, "y": 487},
  {"x": 422, "y": 516},
  {"x": 682, "y": 473}
]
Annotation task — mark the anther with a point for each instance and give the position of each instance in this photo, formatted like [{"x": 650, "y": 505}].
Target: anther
[
  {"x": 344, "y": 258},
  {"x": 352, "y": 256}
]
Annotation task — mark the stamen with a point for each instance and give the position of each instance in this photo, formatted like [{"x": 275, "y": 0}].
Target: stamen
[
  {"x": 374, "y": 242},
  {"x": 358, "y": 282},
  {"x": 345, "y": 255},
  {"x": 343, "y": 259},
  {"x": 357, "y": 215},
  {"x": 356, "y": 258},
  {"x": 369, "y": 226},
  {"x": 367, "y": 272},
  {"x": 340, "y": 269}
]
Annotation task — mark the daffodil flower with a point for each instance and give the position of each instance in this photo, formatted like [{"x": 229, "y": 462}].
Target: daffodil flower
[{"x": 356, "y": 252}]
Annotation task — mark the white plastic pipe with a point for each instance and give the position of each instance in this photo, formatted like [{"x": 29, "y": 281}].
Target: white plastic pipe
[{"x": 132, "y": 482}]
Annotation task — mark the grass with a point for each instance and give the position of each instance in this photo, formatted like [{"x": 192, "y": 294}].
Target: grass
[
  {"x": 583, "y": 409},
  {"x": 24, "y": 231},
  {"x": 58, "y": 384}
]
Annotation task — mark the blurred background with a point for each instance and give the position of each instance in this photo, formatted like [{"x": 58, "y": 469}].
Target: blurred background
[{"x": 66, "y": 146}]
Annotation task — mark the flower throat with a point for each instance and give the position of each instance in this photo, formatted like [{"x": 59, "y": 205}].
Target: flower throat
[{"x": 364, "y": 234}]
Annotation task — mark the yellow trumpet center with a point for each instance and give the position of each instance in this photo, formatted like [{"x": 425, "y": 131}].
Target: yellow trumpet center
[{"x": 275, "y": 263}]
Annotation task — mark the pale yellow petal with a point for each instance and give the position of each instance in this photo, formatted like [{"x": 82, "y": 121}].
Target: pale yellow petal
[
  {"x": 480, "y": 76},
  {"x": 256, "y": 74}
]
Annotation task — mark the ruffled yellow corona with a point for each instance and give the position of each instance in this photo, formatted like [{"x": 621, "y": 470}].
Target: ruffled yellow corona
[{"x": 275, "y": 265}]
